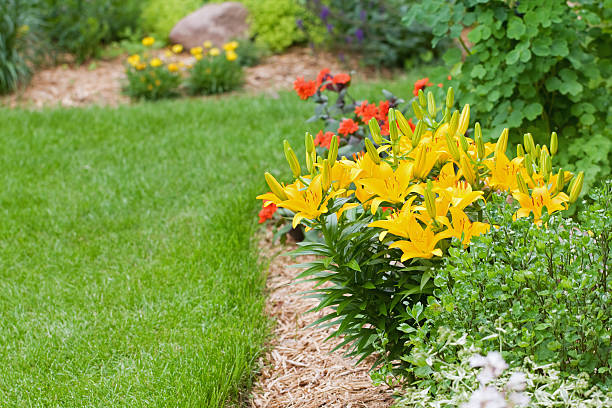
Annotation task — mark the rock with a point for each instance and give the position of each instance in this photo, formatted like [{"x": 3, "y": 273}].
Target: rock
[{"x": 215, "y": 22}]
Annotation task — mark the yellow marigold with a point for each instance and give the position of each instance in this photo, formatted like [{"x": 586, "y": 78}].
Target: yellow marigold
[
  {"x": 196, "y": 51},
  {"x": 157, "y": 82},
  {"x": 214, "y": 52},
  {"x": 198, "y": 56},
  {"x": 140, "y": 66},
  {"x": 156, "y": 62},
  {"x": 150, "y": 87},
  {"x": 177, "y": 48},
  {"x": 207, "y": 44},
  {"x": 231, "y": 55},
  {"x": 148, "y": 41},
  {"x": 230, "y": 46},
  {"x": 173, "y": 67},
  {"x": 133, "y": 60}
]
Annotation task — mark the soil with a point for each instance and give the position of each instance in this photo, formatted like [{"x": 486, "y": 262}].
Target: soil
[
  {"x": 300, "y": 369},
  {"x": 99, "y": 82}
]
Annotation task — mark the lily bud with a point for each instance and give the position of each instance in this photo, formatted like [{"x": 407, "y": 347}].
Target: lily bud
[
  {"x": 431, "y": 104},
  {"x": 403, "y": 124},
  {"x": 393, "y": 131},
  {"x": 275, "y": 187},
  {"x": 430, "y": 200},
  {"x": 294, "y": 164},
  {"x": 371, "y": 150},
  {"x": 418, "y": 112},
  {"x": 450, "y": 97},
  {"x": 502, "y": 143},
  {"x": 325, "y": 175},
  {"x": 447, "y": 115},
  {"x": 554, "y": 143},
  {"x": 576, "y": 187},
  {"x": 538, "y": 151},
  {"x": 309, "y": 143},
  {"x": 422, "y": 99},
  {"x": 522, "y": 186},
  {"x": 467, "y": 170},
  {"x": 375, "y": 131},
  {"x": 480, "y": 147},
  {"x": 454, "y": 123},
  {"x": 528, "y": 142},
  {"x": 464, "y": 120},
  {"x": 419, "y": 163},
  {"x": 418, "y": 133},
  {"x": 560, "y": 180},
  {"x": 332, "y": 153},
  {"x": 464, "y": 143},
  {"x": 452, "y": 147},
  {"x": 529, "y": 164},
  {"x": 520, "y": 152}
]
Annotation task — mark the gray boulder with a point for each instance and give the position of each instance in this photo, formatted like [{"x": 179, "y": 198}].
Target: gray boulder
[{"x": 215, "y": 22}]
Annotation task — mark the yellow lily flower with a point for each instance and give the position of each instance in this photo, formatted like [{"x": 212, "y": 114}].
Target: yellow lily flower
[
  {"x": 540, "y": 198},
  {"x": 422, "y": 242},
  {"x": 397, "y": 223},
  {"x": 390, "y": 186},
  {"x": 424, "y": 159},
  {"x": 306, "y": 203},
  {"x": 460, "y": 195},
  {"x": 503, "y": 172},
  {"x": 462, "y": 226}
]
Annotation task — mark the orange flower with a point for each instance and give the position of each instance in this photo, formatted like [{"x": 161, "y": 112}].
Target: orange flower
[
  {"x": 323, "y": 76},
  {"x": 305, "y": 89},
  {"x": 366, "y": 111},
  {"x": 420, "y": 84},
  {"x": 267, "y": 211},
  {"x": 324, "y": 139},
  {"x": 341, "y": 79},
  {"x": 347, "y": 127},
  {"x": 384, "y": 128},
  {"x": 383, "y": 110}
]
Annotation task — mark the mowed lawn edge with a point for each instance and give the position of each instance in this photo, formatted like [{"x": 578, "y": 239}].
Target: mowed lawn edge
[{"x": 130, "y": 276}]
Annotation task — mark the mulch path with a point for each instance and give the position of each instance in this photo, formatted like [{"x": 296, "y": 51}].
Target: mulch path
[
  {"x": 300, "y": 369},
  {"x": 99, "y": 82}
]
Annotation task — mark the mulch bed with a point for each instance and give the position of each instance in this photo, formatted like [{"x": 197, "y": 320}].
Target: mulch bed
[{"x": 300, "y": 369}]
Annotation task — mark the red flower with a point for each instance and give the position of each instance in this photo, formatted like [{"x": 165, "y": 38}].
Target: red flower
[
  {"x": 412, "y": 125},
  {"x": 420, "y": 84},
  {"x": 342, "y": 79},
  {"x": 347, "y": 127},
  {"x": 305, "y": 89},
  {"x": 366, "y": 111},
  {"x": 383, "y": 110},
  {"x": 323, "y": 76},
  {"x": 384, "y": 129},
  {"x": 324, "y": 139},
  {"x": 266, "y": 212}
]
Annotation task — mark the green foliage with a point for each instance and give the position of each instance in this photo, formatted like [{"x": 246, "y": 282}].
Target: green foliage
[
  {"x": 372, "y": 29},
  {"x": 548, "y": 288},
  {"x": 152, "y": 83},
  {"x": 18, "y": 26},
  {"x": 534, "y": 64},
  {"x": 159, "y": 16},
  {"x": 81, "y": 27},
  {"x": 376, "y": 303},
  {"x": 213, "y": 75},
  {"x": 273, "y": 22},
  {"x": 249, "y": 53}
]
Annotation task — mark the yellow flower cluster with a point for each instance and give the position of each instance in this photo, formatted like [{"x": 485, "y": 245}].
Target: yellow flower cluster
[
  {"x": 140, "y": 63},
  {"x": 207, "y": 49},
  {"x": 433, "y": 180}
]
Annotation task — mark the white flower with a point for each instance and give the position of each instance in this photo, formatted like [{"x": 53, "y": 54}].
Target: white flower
[
  {"x": 486, "y": 397},
  {"x": 493, "y": 366},
  {"x": 516, "y": 382},
  {"x": 519, "y": 399}
]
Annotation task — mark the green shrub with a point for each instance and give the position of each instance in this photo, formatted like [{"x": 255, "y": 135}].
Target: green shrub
[
  {"x": 549, "y": 288},
  {"x": 159, "y": 16},
  {"x": 534, "y": 64},
  {"x": 213, "y": 75},
  {"x": 373, "y": 29},
  {"x": 273, "y": 22},
  {"x": 250, "y": 53},
  {"x": 82, "y": 27},
  {"x": 18, "y": 23}
]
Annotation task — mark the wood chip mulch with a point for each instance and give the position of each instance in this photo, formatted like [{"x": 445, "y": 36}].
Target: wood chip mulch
[{"x": 300, "y": 370}]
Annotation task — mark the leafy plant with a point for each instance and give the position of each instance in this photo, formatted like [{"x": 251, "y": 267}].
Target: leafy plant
[
  {"x": 372, "y": 29},
  {"x": 215, "y": 72},
  {"x": 159, "y": 16},
  {"x": 18, "y": 26},
  {"x": 549, "y": 287},
  {"x": 533, "y": 64},
  {"x": 387, "y": 217},
  {"x": 273, "y": 22}
]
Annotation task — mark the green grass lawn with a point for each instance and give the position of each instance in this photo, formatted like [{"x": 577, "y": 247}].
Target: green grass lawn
[{"x": 129, "y": 273}]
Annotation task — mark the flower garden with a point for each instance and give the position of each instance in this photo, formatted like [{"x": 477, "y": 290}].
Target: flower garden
[{"x": 426, "y": 223}]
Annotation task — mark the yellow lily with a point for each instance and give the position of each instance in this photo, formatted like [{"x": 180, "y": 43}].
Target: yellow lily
[
  {"x": 462, "y": 226},
  {"x": 460, "y": 195},
  {"x": 389, "y": 186},
  {"x": 503, "y": 172},
  {"x": 306, "y": 203},
  {"x": 422, "y": 243},
  {"x": 540, "y": 198},
  {"x": 397, "y": 223}
]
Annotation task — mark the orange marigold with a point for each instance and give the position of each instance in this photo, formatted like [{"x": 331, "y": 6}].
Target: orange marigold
[
  {"x": 341, "y": 79},
  {"x": 347, "y": 127},
  {"x": 305, "y": 89}
]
